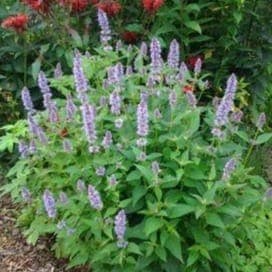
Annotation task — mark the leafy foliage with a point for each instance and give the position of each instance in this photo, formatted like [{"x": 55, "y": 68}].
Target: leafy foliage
[{"x": 182, "y": 214}]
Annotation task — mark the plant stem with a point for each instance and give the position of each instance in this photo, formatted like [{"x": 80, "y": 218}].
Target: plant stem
[{"x": 251, "y": 148}]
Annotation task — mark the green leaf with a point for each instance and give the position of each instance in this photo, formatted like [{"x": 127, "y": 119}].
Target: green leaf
[
  {"x": 152, "y": 224},
  {"x": 36, "y": 67},
  {"x": 161, "y": 253},
  {"x": 146, "y": 172},
  {"x": 173, "y": 244},
  {"x": 194, "y": 25},
  {"x": 179, "y": 210},
  {"x": 138, "y": 193},
  {"x": 263, "y": 138},
  {"x": 214, "y": 219},
  {"x": 133, "y": 248}
]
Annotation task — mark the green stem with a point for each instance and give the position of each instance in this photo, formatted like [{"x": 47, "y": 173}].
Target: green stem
[
  {"x": 25, "y": 61},
  {"x": 251, "y": 148}
]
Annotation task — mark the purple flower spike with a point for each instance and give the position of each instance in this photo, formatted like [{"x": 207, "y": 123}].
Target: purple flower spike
[
  {"x": 143, "y": 49},
  {"x": 36, "y": 130},
  {"x": 67, "y": 146},
  {"x": 261, "y": 121},
  {"x": 107, "y": 140},
  {"x": 49, "y": 204},
  {"x": 115, "y": 103},
  {"x": 43, "y": 83},
  {"x": 88, "y": 114},
  {"x": 58, "y": 71},
  {"x": 198, "y": 66},
  {"x": 103, "y": 101},
  {"x": 141, "y": 142},
  {"x": 173, "y": 55},
  {"x": 191, "y": 99},
  {"x": 23, "y": 149},
  {"x": 118, "y": 123},
  {"x": 101, "y": 171},
  {"x": 172, "y": 99},
  {"x": 183, "y": 71},
  {"x": 63, "y": 198},
  {"x": 231, "y": 86},
  {"x": 142, "y": 119},
  {"x": 120, "y": 228},
  {"x": 217, "y": 132},
  {"x": 118, "y": 46},
  {"x": 157, "y": 114},
  {"x": 94, "y": 198},
  {"x": 105, "y": 33},
  {"x": 26, "y": 98},
  {"x": 112, "y": 180},
  {"x": 228, "y": 169},
  {"x": 237, "y": 116},
  {"x": 223, "y": 111},
  {"x": 80, "y": 186},
  {"x": 70, "y": 108},
  {"x": 26, "y": 195},
  {"x": 155, "y": 168},
  {"x": 81, "y": 82},
  {"x": 156, "y": 60}
]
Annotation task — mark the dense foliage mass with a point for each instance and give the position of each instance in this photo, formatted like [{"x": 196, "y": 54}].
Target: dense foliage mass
[{"x": 130, "y": 171}]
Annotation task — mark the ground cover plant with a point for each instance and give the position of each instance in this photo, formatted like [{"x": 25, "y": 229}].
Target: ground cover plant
[{"x": 132, "y": 171}]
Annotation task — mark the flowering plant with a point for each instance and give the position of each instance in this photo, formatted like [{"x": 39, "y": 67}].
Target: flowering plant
[{"x": 130, "y": 172}]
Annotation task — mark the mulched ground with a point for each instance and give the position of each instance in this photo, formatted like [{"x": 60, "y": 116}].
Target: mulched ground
[{"x": 16, "y": 255}]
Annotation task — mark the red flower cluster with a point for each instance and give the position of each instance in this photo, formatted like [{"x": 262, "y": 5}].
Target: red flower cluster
[
  {"x": 76, "y": 5},
  {"x": 191, "y": 61},
  {"x": 42, "y": 6},
  {"x": 152, "y": 5},
  {"x": 188, "y": 88},
  {"x": 17, "y": 22},
  {"x": 130, "y": 37},
  {"x": 111, "y": 7}
]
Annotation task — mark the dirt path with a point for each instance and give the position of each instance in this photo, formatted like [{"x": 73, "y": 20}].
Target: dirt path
[{"x": 16, "y": 255}]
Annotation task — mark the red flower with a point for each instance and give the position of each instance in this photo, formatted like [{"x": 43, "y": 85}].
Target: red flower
[
  {"x": 42, "y": 6},
  {"x": 191, "y": 61},
  {"x": 188, "y": 88},
  {"x": 111, "y": 7},
  {"x": 152, "y": 5},
  {"x": 17, "y": 22},
  {"x": 130, "y": 37},
  {"x": 74, "y": 5}
]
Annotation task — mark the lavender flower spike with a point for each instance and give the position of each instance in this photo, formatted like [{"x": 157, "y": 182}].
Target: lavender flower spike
[
  {"x": 261, "y": 121},
  {"x": 49, "y": 204},
  {"x": 36, "y": 130},
  {"x": 94, "y": 198},
  {"x": 198, "y": 66},
  {"x": 58, "y": 71},
  {"x": 70, "y": 108},
  {"x": 191, "y": 99},
  {"x": 107, "y": 140},
  {"x": 80, "y": 186},
  {"x": 26, "y": 98},
  {"x": 231, "y": 86},
  {"x": 183, "y": 71},
  {"x": 173, "y": 55},
  {"x": 120, "y": 228},
  {"x": 142, "y": 119},
  {"x": 172, "y": 99},
  {"x": 43, "y": 83},
  {"x": 156, "y": 60},
  {"x": 223, "y": 110},
  {"x": 115, "y": 102},
  {"x": 88, "y": 114},
  {"x": 228, "y": 169},
  {"x": 105, "y": 33},
  {"x": 26, "y": 195},
  {"x": 79, "y": 77}
]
